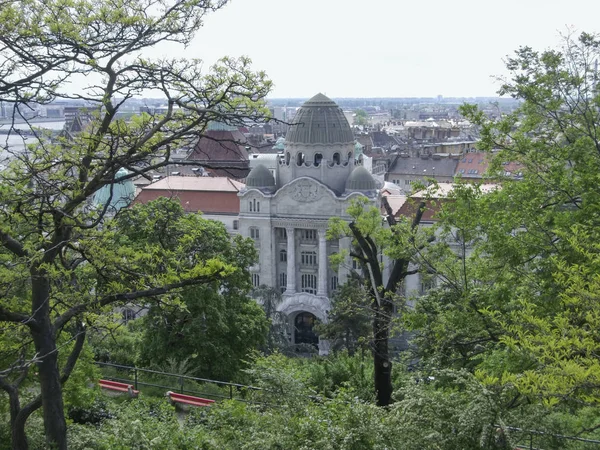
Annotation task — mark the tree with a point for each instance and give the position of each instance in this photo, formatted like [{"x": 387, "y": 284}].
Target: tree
[
  {"x": 532, "y": 285},
  {"x": 269, "y": 299},
  {"x": 214, "y": 325},
  {"x": 399, "y": 243},
  {"x": 361, "y": 117},
  {"x": 349, "y": 318},
  {"x": 59, "y": 268}
]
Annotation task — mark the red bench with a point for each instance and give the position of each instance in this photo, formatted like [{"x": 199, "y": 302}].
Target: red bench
[
  {"x": 119, "y": 387},
  {"x": 188, "y": 399}
]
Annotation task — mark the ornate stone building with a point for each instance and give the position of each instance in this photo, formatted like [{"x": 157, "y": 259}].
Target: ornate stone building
[{"x": 317, "y": 177}]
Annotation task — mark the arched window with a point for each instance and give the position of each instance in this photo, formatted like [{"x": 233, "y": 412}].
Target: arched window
[
  {"x": 254, "y": 206},
  {"x": 283, "y": 256},
  {"x": 287, "y": 158},
  {"x": 318, "y": 159},
  {"x": 309, "y": 283},
  {"x": 336, "y": 158},
  {"x": 299, "y": 158},
  {"x": 255, "y": 280}
]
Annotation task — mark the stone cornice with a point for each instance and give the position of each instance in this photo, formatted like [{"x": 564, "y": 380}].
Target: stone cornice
[{"x": 315, "y": 224}]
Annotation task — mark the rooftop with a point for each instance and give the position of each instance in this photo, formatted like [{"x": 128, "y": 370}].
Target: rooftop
[{"x": 206, "y": 184}]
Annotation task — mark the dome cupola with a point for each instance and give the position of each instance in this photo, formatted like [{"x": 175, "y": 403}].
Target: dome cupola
[
  {"x": 360, "y": 180},
  {"x": 320, "y": 121},
  {"x": 260, "y": 177}
]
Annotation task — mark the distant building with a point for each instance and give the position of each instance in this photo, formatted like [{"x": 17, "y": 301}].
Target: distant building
[
  {"x": 222, "y": 148},
  {"x": 405, "y": 170},
  {"x": 215, "y": 197}
]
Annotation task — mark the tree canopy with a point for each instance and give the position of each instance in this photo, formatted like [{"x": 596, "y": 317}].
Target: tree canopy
[
  {"x": 520, "y": 308},
  {"x": 59, "y": 266}
]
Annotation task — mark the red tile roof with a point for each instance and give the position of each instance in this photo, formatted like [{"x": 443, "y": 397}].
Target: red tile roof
[{"x": 206, "y": 194}]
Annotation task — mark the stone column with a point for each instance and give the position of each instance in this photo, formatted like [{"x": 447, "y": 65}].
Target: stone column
[
  {"x": 291, "y": 261},
  {"x": 322, "y": 284},
  {"x": 343, "y": 271}
]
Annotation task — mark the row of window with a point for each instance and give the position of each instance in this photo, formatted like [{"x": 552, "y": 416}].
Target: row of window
[
  {"x": 305, "y": 235},
  {"x": 301, "y": 158},
  {"x": 254, "y": 206},
  {"x": 308, "y": 282}
]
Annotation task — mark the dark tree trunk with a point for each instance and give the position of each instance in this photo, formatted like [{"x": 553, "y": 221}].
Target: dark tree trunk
[
  {"x": 44, "y": 338},
  {"x": 381, "y": 356},
  {"x": 55, "y": 425},
  {"x": 17, "y": 426}
]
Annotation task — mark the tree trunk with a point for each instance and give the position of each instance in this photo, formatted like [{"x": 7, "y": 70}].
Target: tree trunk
[
  {"x": 44, "y": 338},
  {"x": 381, "y": 357},
  {"x": 55, "y": 425},
  {"x": 17, "y": 426}
]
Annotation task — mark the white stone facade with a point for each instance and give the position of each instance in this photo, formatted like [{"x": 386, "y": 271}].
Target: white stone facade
[{"x": 317, "y": 177}]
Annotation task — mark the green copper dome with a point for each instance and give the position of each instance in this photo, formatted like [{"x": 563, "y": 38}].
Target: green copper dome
[
  {"x": 260, "y": 177},
  {"x": 320, "y": 121},
  {"x": 122, "y": 193},
  {"x": 360, "y": 180}
]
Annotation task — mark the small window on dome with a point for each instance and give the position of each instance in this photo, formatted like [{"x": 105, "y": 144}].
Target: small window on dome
[
  {"x": 299, "y": 158},
  {"x": 318, "y": 159},
  {"x": 336, "y": 158}
]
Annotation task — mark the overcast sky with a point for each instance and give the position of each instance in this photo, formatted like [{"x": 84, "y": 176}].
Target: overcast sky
[{"x": 386, "y": 48}]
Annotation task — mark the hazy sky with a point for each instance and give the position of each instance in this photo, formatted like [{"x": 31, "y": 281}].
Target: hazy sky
[{"x": 386, "y": 48}]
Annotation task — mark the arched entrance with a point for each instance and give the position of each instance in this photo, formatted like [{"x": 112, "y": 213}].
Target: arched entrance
[{"x": 303, "y": 329}]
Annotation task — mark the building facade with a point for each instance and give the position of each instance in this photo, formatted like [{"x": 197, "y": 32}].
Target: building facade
[{"x": 287, "y": 214}]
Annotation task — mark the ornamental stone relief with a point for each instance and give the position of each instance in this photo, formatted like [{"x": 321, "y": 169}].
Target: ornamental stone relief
[{"x": 305, "y": 191}]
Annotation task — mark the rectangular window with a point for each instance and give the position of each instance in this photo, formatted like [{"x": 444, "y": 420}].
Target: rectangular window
[
  {"x": 308, "y": 235},
  {"x": 255, "y": 280},
  {"x": 308, "y": 258},
  {"x": 309, "y": 283},
  {"x": 406, "y": 182},
  {"x": 334, "y": 283},
  {"x": 236, "y": 224},
  {"x": 255, "y": 233},
  {"x": 282, "y": 281},
  {"x": 281, "y": 234}
]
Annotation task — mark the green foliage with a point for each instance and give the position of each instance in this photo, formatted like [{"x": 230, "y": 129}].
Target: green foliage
[
  {"x": 361, "y": 117},
  {"x": 214, "y": 332},
  {"x": 349, "y": 318}
]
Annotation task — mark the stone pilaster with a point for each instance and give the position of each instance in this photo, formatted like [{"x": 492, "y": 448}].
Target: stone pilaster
[
  {"x": 322, "y": 283},
  {"x": 291, "y": 261}
]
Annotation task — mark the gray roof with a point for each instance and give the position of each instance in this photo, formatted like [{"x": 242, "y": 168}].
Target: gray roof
[
  {"x": 360, "y": 180},
  {"x": 260, "y": 177},
  {"x": 443, "y": 167},
  {"x": 320, "y": 121}
]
